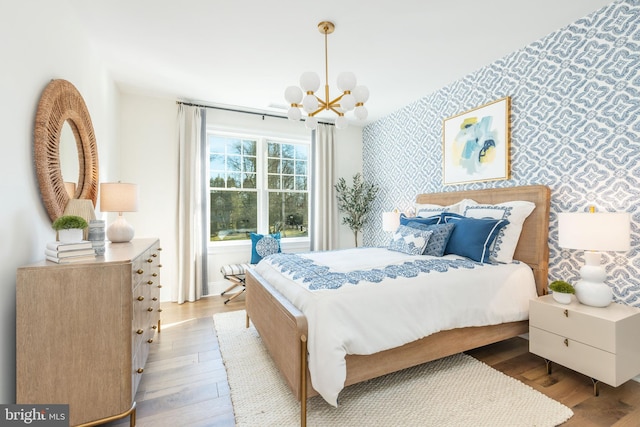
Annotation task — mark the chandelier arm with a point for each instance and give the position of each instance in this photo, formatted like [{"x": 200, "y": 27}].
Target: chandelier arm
[
  {"x": 336, "y": 111},
  {"x": 317, "y": 111},
  {"x": 335, "y": 101}
]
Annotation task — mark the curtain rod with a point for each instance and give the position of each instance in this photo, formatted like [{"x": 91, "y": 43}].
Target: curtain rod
[{"x": 233, "y": 110}]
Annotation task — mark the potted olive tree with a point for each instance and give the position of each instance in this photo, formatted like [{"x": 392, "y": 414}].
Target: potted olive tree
[
  {"x": 70, "y": 228},
  {"x": 355, "y": 201},
  {"x": 562, "y": 291}
]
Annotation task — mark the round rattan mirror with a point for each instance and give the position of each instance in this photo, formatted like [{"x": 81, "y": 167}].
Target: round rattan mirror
[{"x": 61, "y": 104}]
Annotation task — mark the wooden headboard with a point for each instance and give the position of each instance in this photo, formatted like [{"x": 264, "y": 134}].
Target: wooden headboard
[{"x": 533, "y": 246}]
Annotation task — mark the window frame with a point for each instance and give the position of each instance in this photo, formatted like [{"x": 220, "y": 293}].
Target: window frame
[{"x": 262, "y": 140}]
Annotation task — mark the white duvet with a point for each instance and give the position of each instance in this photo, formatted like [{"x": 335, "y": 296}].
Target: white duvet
[{"x": 369, "y": 316}]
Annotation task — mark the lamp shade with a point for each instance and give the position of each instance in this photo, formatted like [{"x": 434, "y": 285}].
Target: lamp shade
[
  {"x": 598, "y": 231},
  {"x": 118, "y": 197},
  {"x": 390, "y": 220}
]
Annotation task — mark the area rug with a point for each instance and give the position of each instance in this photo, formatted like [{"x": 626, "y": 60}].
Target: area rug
[{"x": 455, "y": 391}]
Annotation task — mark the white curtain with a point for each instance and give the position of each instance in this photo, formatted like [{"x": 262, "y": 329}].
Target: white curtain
[
  {"x": 324, "y": 211},
  {"x": 192, "y": 199}
]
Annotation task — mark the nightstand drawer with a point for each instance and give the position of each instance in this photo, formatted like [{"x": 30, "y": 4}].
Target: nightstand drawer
[
  {"x": 573, "y": 324},
  {"x": 590, "y": 361}
]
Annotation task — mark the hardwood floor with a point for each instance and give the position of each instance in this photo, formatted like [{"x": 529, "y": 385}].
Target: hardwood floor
[{"x": 184, "y": 382}]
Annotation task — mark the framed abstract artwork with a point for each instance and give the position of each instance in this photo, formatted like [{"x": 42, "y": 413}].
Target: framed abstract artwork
[{"x": 475, "y": 144}]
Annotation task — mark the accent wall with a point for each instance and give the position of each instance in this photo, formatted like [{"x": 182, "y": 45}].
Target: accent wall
[{"x": 575, "y": 127}]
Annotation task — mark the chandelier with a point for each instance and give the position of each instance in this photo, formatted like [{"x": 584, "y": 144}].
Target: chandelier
[{"x": 352, "y": 98}]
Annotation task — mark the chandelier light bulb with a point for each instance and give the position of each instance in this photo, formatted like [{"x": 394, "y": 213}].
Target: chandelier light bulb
[
  {"x": 341, "y": 122},
  {"x": 309, "y": 81},
  {"x": 346, "y": 81},
  {"x": 293, "y": 95},
  {"x": 310, "y": 103},
  {"x": 294, "y": 114},
  {"x": 311, "y": 122},
  {"x": 361, "y": 112},
  {"x": 348, "y": 102},
  {"x": 361, "y": 93}
]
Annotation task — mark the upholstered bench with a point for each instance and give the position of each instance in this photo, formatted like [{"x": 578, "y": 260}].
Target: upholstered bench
[{"x": 235, "y": 274}]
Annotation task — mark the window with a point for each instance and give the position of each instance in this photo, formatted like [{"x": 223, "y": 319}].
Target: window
[{"x": 257, "y": 185}]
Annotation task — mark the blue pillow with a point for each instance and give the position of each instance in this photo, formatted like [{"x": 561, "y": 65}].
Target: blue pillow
[
  {"x": 262, "y": 246},
  {"x": 472, "y": 237},
  {"x": 409, "y": 240},
  {"x": 414, "y": 220}
]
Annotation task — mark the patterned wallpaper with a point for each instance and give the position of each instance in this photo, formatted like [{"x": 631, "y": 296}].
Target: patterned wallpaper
[{"x": 575, "y": 127}]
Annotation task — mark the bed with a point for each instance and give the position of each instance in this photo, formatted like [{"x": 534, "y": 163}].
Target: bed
[{"x": 284, "y": 329}]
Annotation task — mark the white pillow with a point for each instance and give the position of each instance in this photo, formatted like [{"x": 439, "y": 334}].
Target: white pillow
[
  {"x": 515, "y": 212},
  {"x": 425, "y": 210}
]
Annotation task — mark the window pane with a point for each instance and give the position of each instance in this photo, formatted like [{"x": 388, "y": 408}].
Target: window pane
[
  {"x": 249, "y": 180},
  {"x": 249, "y": 147},
  {"x": 288, "y": 214},
  {"x": 234, "y": 215},
  {"x": 234, "y": 163},
  {"x": 234, "y": 180},
  {"x": 273, "y": 149},
  {"x": 287, "y": 182},
  {"x": 249, "y": 164},
  {"x": 287, "y": 166},
  {"x": 301, "y": 167},
  {"x": 302, "y": 152},
  {"x": 274, "y": 182},
  {"x": 273, "y": 166},
  {"x": 288, "y": 151},
  {"x": 301, "y": 183},
  {"x": 218, "y": 181},
  {"x": 217, "y": 144}
]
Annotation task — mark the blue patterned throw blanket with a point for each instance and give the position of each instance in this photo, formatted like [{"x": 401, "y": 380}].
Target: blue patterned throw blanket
[{"x": 317, "y": 277}]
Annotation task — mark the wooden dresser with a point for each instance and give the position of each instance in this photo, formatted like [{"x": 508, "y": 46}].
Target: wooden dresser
[{"x": 83, "y": 330}]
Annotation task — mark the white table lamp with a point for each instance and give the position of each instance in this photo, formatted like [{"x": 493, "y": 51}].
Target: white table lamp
[
  {"x": 594, "y": 232},
  {"x": 390, "y": 220},
  {"x": 119, "y": 197}
]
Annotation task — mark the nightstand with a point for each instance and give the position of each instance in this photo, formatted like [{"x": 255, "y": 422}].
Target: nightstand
[{"x": 602, "y": 343}]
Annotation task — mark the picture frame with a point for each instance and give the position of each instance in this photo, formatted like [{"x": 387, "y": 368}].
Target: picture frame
[{"x": 476, "y": 144}]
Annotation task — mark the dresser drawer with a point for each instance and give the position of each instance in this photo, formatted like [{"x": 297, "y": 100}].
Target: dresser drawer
[
  {"x": 563, "y": 320},
  {"x": 588, "y": 360}
]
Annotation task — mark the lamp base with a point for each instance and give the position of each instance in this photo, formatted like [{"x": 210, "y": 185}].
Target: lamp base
[
  {"x": 591, "y": 289},
  {"x": 120, "y": 231}
]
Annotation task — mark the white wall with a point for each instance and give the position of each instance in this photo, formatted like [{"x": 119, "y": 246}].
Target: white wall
[
  {"x": 41, "y": 40},
  {"x": 150, "y": 158}
]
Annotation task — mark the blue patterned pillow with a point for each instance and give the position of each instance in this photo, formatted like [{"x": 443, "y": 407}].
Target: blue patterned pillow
[
  {"x": 409, "y": 240},
  {"x": 262, "y": 245},
  {"x": 472, "y": 238},
  {"x": 438, "y": 240}
]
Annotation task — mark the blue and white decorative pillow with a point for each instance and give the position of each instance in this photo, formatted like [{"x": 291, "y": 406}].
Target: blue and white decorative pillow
[
  {"x": 439, "y": 238},
  {"x": 515, "y": 212},
  {"x": 264, "y": 245},
  {"x": 409, "y": 240},
  {"x": 472, "y": 237}
]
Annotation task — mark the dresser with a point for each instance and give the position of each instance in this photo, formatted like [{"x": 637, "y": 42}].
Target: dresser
[
  {"x": 83, "y": 330},
  {"x": 602, "y": 343}
]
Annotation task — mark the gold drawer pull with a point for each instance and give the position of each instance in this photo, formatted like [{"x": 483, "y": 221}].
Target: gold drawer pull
[
  {"x": 150, "y": 282},
  {"x": 159, "y": 310},
  {"x": 150, "y": 309},
  {"x": 140, "y": 271},
  {"x": 149, "y": 260},
  {"x": 139, "y": 332},
  {"x": 154, "y": 327},
  {"x": 155, "y": 274},
  {"x": 566, "y": 313},
  {"x": 154, "y": 299},
  {"x": 140, "y": 370},
  {"x": 159, "y": 286},
  {"x": 154, "y": 255},
  {"x": 159, "y": 265},
  {"x": 140, "y": 298},
  {"x": 150, "y": 340},
  {"x": 566, "y": 342}
]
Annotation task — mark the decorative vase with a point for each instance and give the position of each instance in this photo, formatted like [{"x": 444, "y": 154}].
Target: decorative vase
[
  {"x": 561, "y": 297},
  {"x": 70, "y": 235}
]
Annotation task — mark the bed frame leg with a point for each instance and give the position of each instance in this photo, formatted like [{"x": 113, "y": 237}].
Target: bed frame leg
[{"x": 303, "y": 381}]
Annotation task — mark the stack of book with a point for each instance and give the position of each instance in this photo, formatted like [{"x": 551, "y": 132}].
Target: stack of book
[{"x": 64, "y": 253}]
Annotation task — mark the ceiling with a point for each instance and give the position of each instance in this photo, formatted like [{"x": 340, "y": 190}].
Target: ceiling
[{"x": 244, "y": 53}]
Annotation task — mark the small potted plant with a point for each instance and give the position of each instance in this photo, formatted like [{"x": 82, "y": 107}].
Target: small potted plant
[
  {"x": 70, "y": 228},
  {"x": 562, "y": 291}
]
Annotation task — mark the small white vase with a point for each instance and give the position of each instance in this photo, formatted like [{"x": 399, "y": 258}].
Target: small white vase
[
  {"x": 70, "y": 235},
  {"x": 561, "y": 297}
]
